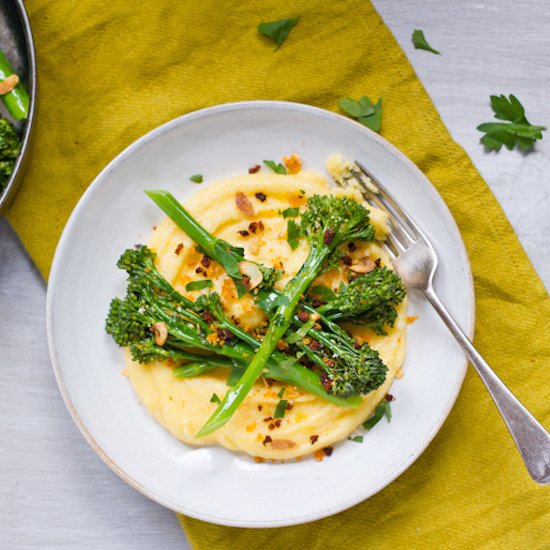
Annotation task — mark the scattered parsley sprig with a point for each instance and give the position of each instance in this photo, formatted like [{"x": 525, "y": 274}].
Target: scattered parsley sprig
[
  {"x": 420, "y": 42},
  {"x": 518, "y": 131},
  {"x": 278, "y": 31},
  {"x": 278, "y": 168},
  {"x": 382, "y": 409},
  {"x": 364, "y": 111}
]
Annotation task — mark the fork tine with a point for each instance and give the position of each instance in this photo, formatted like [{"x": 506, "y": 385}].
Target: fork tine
[
  {"x": 397, "y": 228},
  {"x": 391, "y": 204},
  {"x": 393, "y": 244}
]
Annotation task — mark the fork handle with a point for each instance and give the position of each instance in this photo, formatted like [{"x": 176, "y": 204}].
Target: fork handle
[{"x": 532, "y": 440}]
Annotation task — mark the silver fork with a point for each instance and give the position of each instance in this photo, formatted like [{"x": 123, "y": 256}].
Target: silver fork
[{"x": 415, "y": 260}]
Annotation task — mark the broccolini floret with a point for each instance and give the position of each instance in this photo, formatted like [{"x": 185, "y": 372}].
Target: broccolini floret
[
  {"x": 326, "y": 223},
  {"x": 368, "y": 300},
  {"x": 158, "y": 323},
  {"x": 10, "y": 147}
]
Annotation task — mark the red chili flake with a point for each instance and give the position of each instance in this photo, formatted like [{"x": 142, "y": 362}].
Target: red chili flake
[
  {"x": 328, "y": 450},
  {"x": 313, "y": 438},
  {"x": 246, "y": 281},
  {"x": 254, "y": 169},
  {"x": 253, "y": 227},
  {"x": 328, "y": 236},
  {"x": 154, "y": 227},
  {"x": 260, "y": 225},
  {"x": 356, "y": 344},
  {"x": 271, "y": 426},
  {"x": 347, "y": 260},
  {"x": 377, "y": 262},
  {"x": 205, "y": 261},
  {"x": 269, "y": 381},
  {"x": 178, "y": 248},
  {"x": 260, "y": 408},
  {"x": 390, "y": 397},
  {"x": 260, "y": 196},
  {"x": 207, "y": 316},
  {"x": 352, "y": 247},
  {"x": 325, "y": 381},
  {"x": 268, "y": 419},
  {"x": 303, "y": 316},
  {"x": 224, "y": 334},
  {"x": 199, "y": 269},
  {"x": 243, "y": 233},
  {"x": 315, "y": 302},
  {"x": 314, "y": 345},
  {"x": 289, "y": 406},
  {"x": 278, "y": 423},
  {"x": 266, "y": 440}
]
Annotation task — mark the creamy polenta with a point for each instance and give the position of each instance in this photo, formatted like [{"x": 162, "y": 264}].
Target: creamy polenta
[{"x": 182, "y": 406}]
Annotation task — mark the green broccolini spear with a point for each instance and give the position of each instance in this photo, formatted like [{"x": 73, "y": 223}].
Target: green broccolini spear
[
  {"x": 326, "y": 223},
  {"x": 368, "y": 300},
  {"x": 16, "y": 100},
  {"x": 158, "y": 323}
]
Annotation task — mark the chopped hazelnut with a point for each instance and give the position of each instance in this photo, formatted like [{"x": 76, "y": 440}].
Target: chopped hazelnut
[
  {"x": 160, "y": 330},
  {"x": 243, "y": 204}
]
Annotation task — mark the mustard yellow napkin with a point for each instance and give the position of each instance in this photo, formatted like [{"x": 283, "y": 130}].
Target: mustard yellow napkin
[{"x": 109, "y": 71}]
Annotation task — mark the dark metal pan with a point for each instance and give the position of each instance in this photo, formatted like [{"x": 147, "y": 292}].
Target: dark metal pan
[{"x": 17, "y": 43}]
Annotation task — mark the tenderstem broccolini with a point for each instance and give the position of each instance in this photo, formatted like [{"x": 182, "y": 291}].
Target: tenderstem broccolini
[{"x": 347, "y": 369}]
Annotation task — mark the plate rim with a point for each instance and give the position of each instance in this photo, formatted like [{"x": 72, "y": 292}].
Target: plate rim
[
  {"x": 55, "y": 268},
  {"x": 10, "y": 191}
]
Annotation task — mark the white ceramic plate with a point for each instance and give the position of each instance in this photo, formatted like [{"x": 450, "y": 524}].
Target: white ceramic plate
[{"x": 211, "y": 483}]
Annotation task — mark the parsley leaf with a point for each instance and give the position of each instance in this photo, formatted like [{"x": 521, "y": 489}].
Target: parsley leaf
[
  {"x": 364, "y": 111},
  {"x": 323, "y": 292},
  {"x": 281, "y": 408},
  {"x": 291, "y": 213},
  {"x": 517, "y": 131},
  {"x": 357, "y": 439},
  {"x": 197, "y": 178},
  {"x": 356, "y": 109},
  {"x": 420, "y": 42},
  {"x": 293, "y": 234},
  {"x": 215, "y": 399},
  {"x": 383, "y": 409},
  {"x": 268, "y": 300},
  {"x": 277, "y": 168},
  {"x": 199, "y": 285},
  {"x": 278, "y": 30}
]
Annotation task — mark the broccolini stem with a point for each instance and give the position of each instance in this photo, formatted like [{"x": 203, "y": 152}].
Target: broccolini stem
[
  {"x": 295, "y": 374},
  {"x": 278, "y": 326},
  {"x": 222, "y": 252},
  {"x": 16, "y": 101}
]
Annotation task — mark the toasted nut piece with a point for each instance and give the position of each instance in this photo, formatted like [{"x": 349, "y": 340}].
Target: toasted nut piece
[
  {"x": 251, "y": 272},
  {"x": 363, "y": 265},
  {"x": 243, "y": 204},
  {"x": 7, "y": 85},
  {"x": 160, "y": 330},
  {"x": 282, "y": 444}
]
